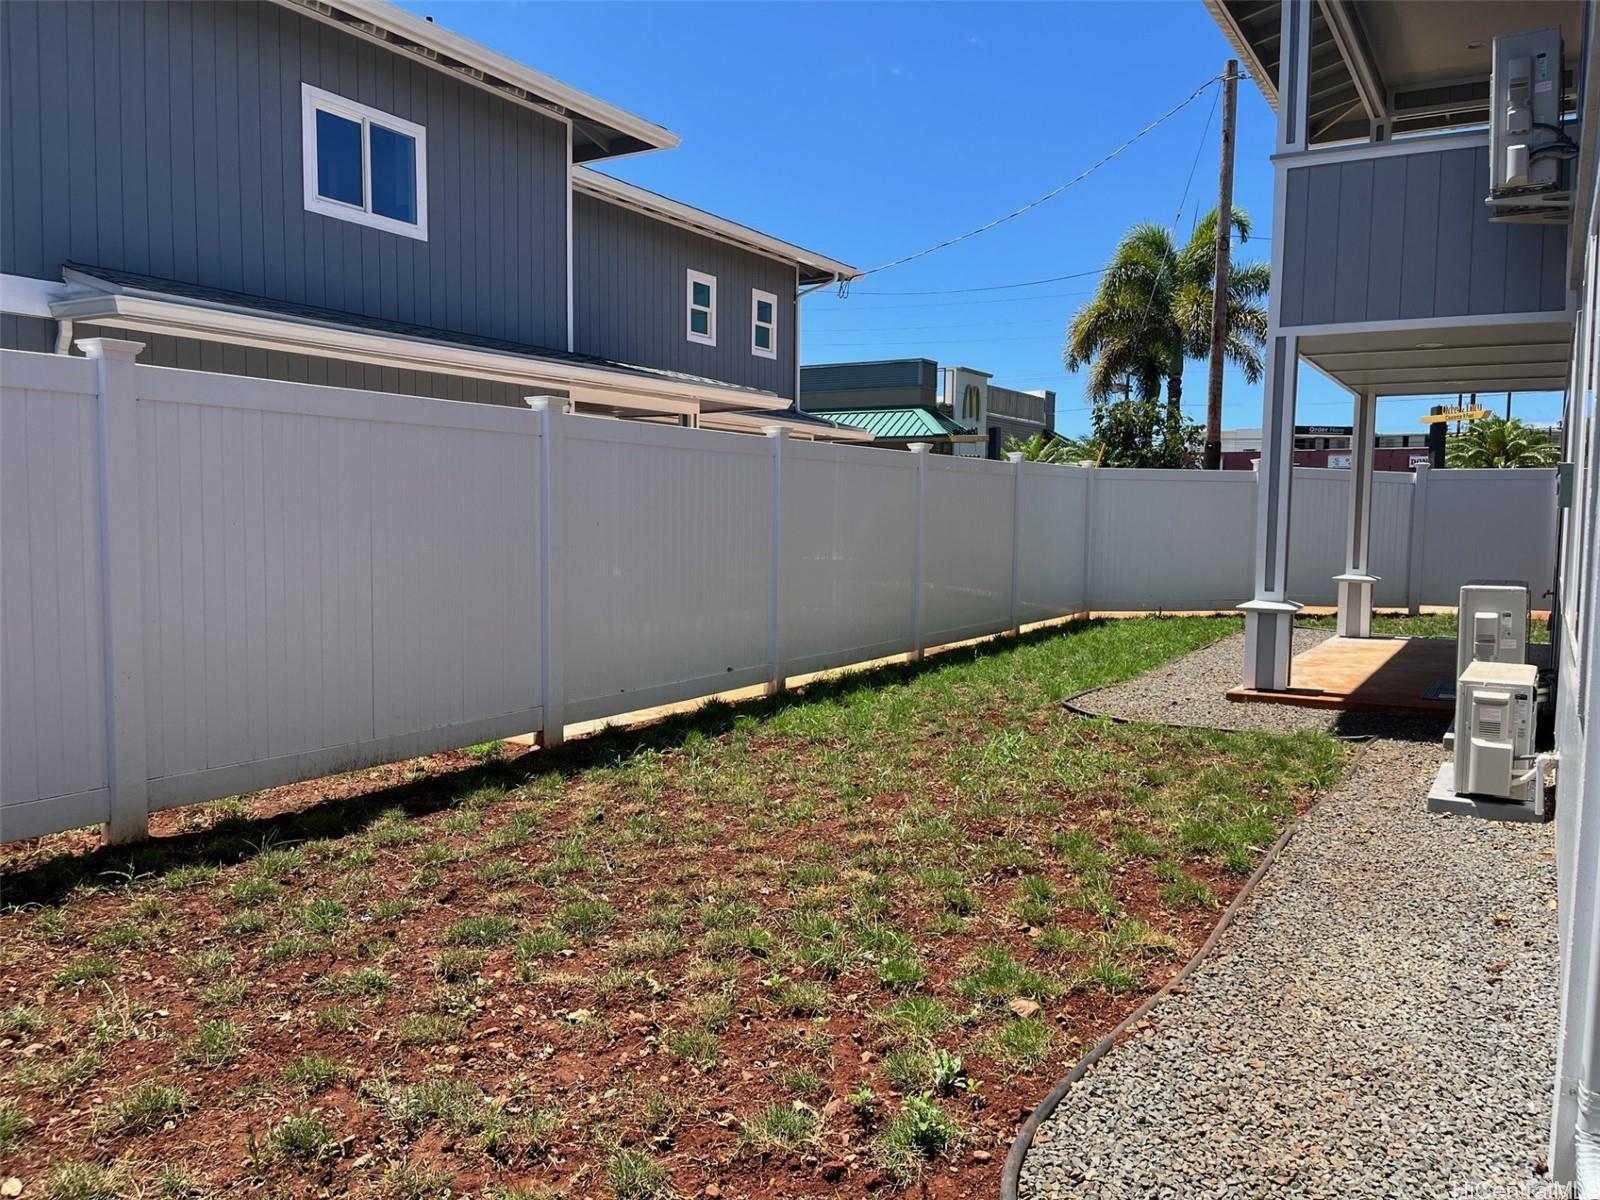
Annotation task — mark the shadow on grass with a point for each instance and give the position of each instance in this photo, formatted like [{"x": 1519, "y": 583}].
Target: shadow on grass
[{"x": 239, "y": 839}]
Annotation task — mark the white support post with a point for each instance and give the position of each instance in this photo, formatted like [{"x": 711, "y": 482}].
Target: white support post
[
  {"x": 1014, "y": 457},
  {"x": 1269, "y": 615},
  {"x": 1294, "y": 76},
  {"x": 122, "y": 588},
  {"x": 1417, "y": 538},
  {"x": 780, "y": 441},
  {"x": 551, "y": 671},
  {"x": 1356, "y": 583},
  {"x": 918, "y": 556}
]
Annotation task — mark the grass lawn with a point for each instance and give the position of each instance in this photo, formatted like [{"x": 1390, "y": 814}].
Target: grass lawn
[
  {"x": 1431, "y": 625},
  {"x": 823, "y": 944}
]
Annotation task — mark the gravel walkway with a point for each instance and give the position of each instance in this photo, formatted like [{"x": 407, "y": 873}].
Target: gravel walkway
[{"x": 1379, "y": 1021}]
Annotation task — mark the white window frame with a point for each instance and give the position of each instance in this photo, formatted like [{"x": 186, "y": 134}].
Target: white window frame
[
  {"x": 315, "y": 99},
  {"x": 756, "y": 297},
  {"x": 710, "y": 337}
]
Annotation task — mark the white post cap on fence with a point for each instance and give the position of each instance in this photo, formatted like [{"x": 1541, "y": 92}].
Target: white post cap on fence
[
  {"x": 104, "y": 347},
  {"x": 776, "y": 431}
]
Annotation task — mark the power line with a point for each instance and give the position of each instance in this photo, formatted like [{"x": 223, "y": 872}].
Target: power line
[
  {"x": 1043, "y": 337},
  {"x": 993, "y": 287},
  {"x": 1048, "y": 196},
  {"x": 878, "y": 308}
]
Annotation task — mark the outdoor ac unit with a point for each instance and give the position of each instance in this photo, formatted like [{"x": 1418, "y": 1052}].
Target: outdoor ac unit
[
  {"x": 1527, "y": 146},
  {"x": 1491, "y": 623},
  {"x": 1495, "y": 710}
]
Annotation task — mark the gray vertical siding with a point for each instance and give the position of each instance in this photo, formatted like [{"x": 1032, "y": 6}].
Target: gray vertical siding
[
  {"x": 164, "y": 138},
  {"x": 1408, "y": 237},
  {"x": 630, "y": 296}
]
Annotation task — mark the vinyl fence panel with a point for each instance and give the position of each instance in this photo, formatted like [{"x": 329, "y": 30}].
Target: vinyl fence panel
[
  {"x": 664, "y": 568},
  {"x": 1171, "y": 540},
  {"x": 328, "y": 576},
  {"x": 211, "y": 584},
  {"x": 966, "y": 548},
  {"x": 1486, "y": 524},
  {"x": 849, "y": 526},
  {"x": 53, "y": 767},
  {"x": 1052, "y": 540}
]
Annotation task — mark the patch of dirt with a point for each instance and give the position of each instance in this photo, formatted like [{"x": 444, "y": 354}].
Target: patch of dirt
[{"x": 583, "y": 1028}]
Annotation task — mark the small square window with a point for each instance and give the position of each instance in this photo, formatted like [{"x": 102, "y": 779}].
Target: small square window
[
  {"x": 763, "y": 324},
  {"x": 363, "y": 165},
  {"x": 702, "y": 306}
]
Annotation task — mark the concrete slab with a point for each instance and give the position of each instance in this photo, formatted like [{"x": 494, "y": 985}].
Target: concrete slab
[{"x": 1442, "y": 798}]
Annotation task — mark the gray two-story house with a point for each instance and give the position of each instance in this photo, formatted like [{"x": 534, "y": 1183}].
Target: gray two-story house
[{"x": 347, "y": 194}]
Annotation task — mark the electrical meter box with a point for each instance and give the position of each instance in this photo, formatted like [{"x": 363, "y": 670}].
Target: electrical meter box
[
  {"x": 1495, "y": 711},
  {"x": 1525, "y": 112},
  {"x": 1491, "y": 623}
]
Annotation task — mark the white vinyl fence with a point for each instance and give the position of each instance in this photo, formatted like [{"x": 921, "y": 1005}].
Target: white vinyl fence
[{"x": 212, "y": 584}]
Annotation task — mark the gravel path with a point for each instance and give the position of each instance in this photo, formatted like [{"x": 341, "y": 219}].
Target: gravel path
[
  {"x": 1193, "y": 691},
  {"x": 1379, "y": 1021}
]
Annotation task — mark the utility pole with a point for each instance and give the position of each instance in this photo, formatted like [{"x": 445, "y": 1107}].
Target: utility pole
[{"x": 1219, "y": 287}]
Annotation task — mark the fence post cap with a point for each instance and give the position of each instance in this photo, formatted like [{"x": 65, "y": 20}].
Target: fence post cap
[
  {"x": 103, "y": 347},
  {"x": 920, "y": 447},
  {"x": 537, "y": 403},
  {"x": 1013, "y": 456},
  {"x": 776, "y": 431}
]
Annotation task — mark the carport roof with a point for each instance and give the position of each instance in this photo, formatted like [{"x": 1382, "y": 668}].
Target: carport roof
[{"x": 1516, "y": 355}]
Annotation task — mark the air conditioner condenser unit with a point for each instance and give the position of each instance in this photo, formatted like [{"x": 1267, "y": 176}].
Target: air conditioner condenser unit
[{"x": 1496, "y": 706}]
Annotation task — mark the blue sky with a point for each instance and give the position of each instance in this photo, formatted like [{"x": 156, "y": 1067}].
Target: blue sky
[{"x": 868, "y": 131}]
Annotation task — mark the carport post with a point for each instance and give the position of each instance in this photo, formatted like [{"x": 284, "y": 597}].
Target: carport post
[
  {"x": 1269, "y": 615},
  {"x": 1355, "y": 585}
]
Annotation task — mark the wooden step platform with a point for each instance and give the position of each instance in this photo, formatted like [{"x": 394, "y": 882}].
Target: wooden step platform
[{"x": 1368, "y": 675}]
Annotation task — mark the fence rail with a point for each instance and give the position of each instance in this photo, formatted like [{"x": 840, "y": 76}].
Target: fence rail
[{"x": 212, "y": 584}]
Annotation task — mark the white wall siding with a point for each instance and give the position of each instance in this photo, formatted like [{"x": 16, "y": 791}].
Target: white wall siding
[{"x": 323, "y": 578}]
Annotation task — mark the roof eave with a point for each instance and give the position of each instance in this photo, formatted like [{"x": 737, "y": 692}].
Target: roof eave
[
  {"x": 1265, "y": 82},
  {"x": 814, "y": 268},
  {"x": 399, "y": 30},
  {"x": 185, "y": 317}
]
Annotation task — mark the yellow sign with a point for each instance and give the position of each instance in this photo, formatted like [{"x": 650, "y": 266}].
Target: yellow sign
[{"x": 1460, "y": 414}]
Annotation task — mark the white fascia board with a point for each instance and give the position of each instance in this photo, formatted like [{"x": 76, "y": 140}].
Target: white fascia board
[
  {"x": 208, "y": 323},
  {"x": 697, "y": 220},
  {"x": 1264, "y": 81},
  {"x": 440, "y": 40},
  {"x": 24, "y": 296}
]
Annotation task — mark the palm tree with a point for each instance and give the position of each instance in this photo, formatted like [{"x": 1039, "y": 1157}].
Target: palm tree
[
  {"x": 1054, "y": 448},
  {"x": 1497, "y": 442},
  {"x": 1152, "y": 312}
]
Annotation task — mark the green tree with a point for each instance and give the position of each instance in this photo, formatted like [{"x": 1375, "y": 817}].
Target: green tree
[
  {"x": 1150, "y": 314},
  {"x": 1054, "y": 448},
  {"x": 1500, "y": 442}
]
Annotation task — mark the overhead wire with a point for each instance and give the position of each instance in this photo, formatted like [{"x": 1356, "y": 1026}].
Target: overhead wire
[{"x": 844, "y": 285}]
